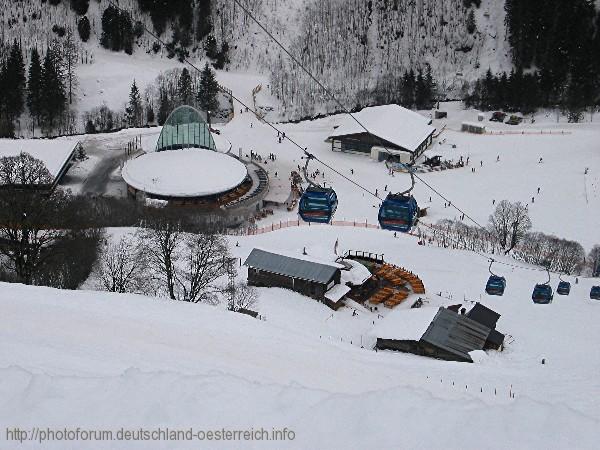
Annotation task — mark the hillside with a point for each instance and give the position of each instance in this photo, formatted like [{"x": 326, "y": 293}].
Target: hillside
[
  {"x": 179, "y": 365},
  {"x": 382, "y": 40}
]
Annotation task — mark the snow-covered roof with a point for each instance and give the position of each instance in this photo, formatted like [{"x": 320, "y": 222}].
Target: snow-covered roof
[
  {"x": 290, "y": 266},
  {"x": 322, "y": 259},
  {"x": 357, "y": 275},
  {"x": 337, "y": 292},
  {"x": 405, "y": 324},
  {"x": 393, "y": 123},
  {"x": 55, "y": 153},
  {"x": 184, "y": 173}
]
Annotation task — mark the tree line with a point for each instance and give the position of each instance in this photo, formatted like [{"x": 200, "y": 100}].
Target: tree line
[
  {"x": 44, "y": 88},
  {"x": 52, "y": 238},
  {"x": 509, "y": 232},
  {"x": 160, "y": 259},
  {"x": 171, "y": 89},
  {"x": 553, "y": 44},
  {"x": 191, "y": 23}
]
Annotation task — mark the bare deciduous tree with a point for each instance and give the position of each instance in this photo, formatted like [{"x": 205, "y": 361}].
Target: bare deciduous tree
[
  {"x": 23, "y": 170},
  {"x": 509, "y": 223},
  {"x": 205, "y": 259},
  {"x": 31, "y": 222},
  {"x": 244, "y": 297},
  {"x": 122, "y": 267},
  {"x": 163, "y": 239},
  {"x": 593, "y": 261}
]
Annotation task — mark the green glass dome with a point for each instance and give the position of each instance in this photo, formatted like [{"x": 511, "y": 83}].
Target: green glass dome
[{"x": 185, "y": 128}]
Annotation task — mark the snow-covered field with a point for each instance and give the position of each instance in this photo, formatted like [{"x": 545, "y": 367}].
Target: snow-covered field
[
  {"x": 106, "y": 361},
  {"x": 568, "y": 204}
]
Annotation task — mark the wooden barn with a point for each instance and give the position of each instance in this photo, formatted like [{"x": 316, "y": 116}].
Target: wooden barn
[
  {"x": 313, "y": 279},
  {"x": 395, "y": 133},
  {"x": 439, "y": 333}
]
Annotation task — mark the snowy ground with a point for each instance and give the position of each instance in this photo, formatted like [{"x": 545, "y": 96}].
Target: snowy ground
[
  {"x": 150, "y": 363},
  {"x": 568, "y": 204},
  {"x": 93, "y": 359}
]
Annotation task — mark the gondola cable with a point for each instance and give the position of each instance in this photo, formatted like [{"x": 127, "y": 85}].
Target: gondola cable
[
  {"x": 346, "y": 111},
  {"x": 304, "y": 150}
]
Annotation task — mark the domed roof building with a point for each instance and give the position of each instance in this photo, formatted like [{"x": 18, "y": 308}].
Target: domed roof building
[
  {"x": 186, "y": 169},
  {"x": 185, "y": 128}
]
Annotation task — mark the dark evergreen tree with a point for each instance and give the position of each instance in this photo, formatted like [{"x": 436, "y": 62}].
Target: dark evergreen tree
[
  {"x": 117, "y": 31},
  {"x": 14, "y": 82},
  {"x": 222, "y": 56},
  {"x": 7, "y": 126},
  {"x": 54, "y": 97},
  {"x": 553, "y": 36},
  {"x": 471, "y": 22},
  {"x": 149, "y": 114},
  {"x": 208, "y": 90},
  {"x": 126, "y": 33},
  {"x": 34, "y": 85},
  {"x": 203, "y": 24},
  {"x": 135, "y": 108},
  {"x": 80, "y": 6},
  {"x": 408, "y": 89},
  {"x": 184, "y": 88},
  {"x": 164, "y": 107},
  {"x": 110, "y": 38},
  {"x": 210, "y": 47},
  {"x": 83, "y": 27},
  {"x": 421, "y": 91}
]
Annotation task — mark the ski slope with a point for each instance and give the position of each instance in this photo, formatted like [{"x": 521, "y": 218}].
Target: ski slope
[
  {"x": 568, "y": 204},
  {"x": 102, "y": 360}
]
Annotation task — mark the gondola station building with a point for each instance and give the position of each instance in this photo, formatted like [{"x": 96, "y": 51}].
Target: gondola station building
[
  {"x": 395, "y": 133},
  {"x": 186, "y": 169}
]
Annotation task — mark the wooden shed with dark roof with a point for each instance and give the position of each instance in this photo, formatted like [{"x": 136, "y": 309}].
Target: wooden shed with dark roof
[{"x": 310, "y": 278}]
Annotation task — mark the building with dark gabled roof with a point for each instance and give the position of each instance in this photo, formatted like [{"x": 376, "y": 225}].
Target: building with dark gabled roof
[
  {"x": 439, "y": 333},
  {"x": 313, "y": 279},
  {"x": 483, "y": 315},
  {"x": 452, "y": 336},
  {"x": 489, "y": 318}
]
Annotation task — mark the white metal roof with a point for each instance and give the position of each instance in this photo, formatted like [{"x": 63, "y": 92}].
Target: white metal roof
[{"x": 393, "y": 123}]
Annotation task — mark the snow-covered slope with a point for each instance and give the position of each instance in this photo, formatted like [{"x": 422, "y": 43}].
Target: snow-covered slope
[
  {"x": 106, "y": 361},
  {"x": 356, "y": 47}
]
